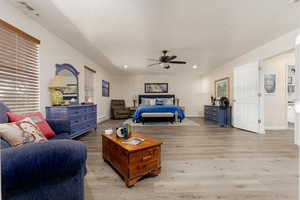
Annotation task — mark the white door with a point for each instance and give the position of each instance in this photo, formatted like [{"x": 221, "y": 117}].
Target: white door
[
  {"x": 247, "y": 96},
  {"x": 297, "y": 104}
]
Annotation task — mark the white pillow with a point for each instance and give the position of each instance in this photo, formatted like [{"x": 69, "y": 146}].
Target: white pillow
[
  {"x": 152, "y": 102},
  {"x": 169, "y": 101}
]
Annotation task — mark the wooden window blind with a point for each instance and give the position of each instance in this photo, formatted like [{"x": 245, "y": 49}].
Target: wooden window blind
[{"x": 19, "y": 70}]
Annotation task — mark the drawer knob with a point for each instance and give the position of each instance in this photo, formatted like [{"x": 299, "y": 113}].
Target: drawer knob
[{"x": 146, "y": 158}]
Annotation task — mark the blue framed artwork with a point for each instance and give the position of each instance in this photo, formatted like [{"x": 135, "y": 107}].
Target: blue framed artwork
[{"x": 105, "y": 88}]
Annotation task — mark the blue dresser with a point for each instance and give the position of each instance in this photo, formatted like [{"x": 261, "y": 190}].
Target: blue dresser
[
  {"x": 79, "y": 119},
  {"x": 218, "y": 115}
]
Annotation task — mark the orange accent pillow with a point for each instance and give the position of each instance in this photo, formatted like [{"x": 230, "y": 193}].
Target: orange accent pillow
[{"x": 37, "y": 118}]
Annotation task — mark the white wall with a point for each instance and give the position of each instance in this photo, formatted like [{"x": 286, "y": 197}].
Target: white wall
[
  {"x": 277, "y": 102},
  {"x": 53, "y": 51},
  {"x": 275, "y": 47},
  {"x": 186, "y": 88}
]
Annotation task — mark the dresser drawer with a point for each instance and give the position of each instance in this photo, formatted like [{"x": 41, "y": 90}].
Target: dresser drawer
[
  {"x": 91, "y": 109},
  {"x": 211, "y": 109},
  {"x": 77, "y": 128},
  {"x": 76, "y": 120},
  {"x": 75, "y": 111},
  {"x": 90, "y": 124},
  {"x": 90, "y": 116}
]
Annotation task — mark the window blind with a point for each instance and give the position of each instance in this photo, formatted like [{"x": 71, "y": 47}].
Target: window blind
[{"x": 19, "y": 70}]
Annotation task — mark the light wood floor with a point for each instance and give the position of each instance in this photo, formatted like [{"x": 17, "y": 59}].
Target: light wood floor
[{"x": 205, "y": 162}]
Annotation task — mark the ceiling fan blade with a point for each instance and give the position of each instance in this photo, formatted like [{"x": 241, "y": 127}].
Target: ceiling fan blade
[
  {"x": 171, "y": 58},
  {"x": 178, "y": 62},
  {"x": 154, "y": 64}
]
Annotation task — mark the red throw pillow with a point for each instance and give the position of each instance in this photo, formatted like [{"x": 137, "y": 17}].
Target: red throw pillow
[{"x": 37, "y": 118}]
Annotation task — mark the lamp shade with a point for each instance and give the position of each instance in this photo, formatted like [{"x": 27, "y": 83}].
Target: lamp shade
[{"x": 57, "y": 82}]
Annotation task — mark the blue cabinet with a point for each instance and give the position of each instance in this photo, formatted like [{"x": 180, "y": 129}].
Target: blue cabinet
[
  {"x": 79, "y": 119},
  {"x": 218, "y": 115}
]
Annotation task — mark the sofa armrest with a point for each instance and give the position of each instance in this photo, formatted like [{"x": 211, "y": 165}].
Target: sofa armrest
[
  {"x": 36, "y": 163},
  {"x": 59, "y": 126}
]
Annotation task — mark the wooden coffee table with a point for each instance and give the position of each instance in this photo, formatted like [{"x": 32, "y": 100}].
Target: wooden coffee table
[{"x": 132, "y": 161}]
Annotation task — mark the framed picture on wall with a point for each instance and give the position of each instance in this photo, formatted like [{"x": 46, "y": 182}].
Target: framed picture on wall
[
  {"x": 270, "y": 83},
  {"x": 156, "y": 88},
  {"x": 222, "y": 88},
  {"x": 105, "y": 88},
  {"x": 292, "y": 69}
]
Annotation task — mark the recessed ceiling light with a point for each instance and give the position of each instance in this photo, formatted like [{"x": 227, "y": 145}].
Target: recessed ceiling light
[
  {"x": 195, "y": 67},
  {"x": 125, "y": 66},
  {"x": 293, "y": 1}
]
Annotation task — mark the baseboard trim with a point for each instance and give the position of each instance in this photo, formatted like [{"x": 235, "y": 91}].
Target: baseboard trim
[
  {"x": 102, "y": 119},
  {"x": 272, "y": 128}
]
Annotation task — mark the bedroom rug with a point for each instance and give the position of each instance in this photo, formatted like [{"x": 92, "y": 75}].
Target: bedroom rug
[{"x": 185, "y": 122}]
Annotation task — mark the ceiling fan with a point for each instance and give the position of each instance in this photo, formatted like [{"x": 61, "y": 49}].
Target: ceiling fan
[{"x": 166, "y": 60}]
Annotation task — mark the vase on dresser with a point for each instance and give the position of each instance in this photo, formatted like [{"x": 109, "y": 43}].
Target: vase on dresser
[{"x": 78, "y": 119}]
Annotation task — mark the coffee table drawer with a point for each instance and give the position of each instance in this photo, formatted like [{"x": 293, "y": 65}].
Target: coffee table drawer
[
  {"x": 145, "y": 156},
  {"x": 141, "y": 169}
]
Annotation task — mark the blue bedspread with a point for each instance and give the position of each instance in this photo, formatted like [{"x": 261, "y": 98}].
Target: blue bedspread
[{"x": 160, "y": 109}]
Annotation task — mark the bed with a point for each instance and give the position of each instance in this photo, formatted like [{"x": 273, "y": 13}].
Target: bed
[{"x": 157, "y": 108}]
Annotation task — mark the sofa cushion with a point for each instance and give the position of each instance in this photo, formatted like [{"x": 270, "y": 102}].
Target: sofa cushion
[
  {"x": 38, "y": 118},
  {"x": 61, "y": 136},
  {"x": 22, "y": 132}
]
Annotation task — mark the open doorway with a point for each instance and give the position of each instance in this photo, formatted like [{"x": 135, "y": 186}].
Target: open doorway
[{"x": 279, "y": 74}]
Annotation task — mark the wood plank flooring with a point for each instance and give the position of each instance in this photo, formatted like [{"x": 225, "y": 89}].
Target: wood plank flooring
[{"x": 202, "y": 162}]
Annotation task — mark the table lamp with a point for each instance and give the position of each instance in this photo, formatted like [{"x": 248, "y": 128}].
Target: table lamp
[{"x": 57, "y": 96}]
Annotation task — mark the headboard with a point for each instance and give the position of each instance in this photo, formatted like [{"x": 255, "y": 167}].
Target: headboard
[{"x": 157, "y": 96}]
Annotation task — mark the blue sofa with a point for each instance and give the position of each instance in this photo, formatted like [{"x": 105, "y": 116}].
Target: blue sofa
[{"x": 52, "y": 170}]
